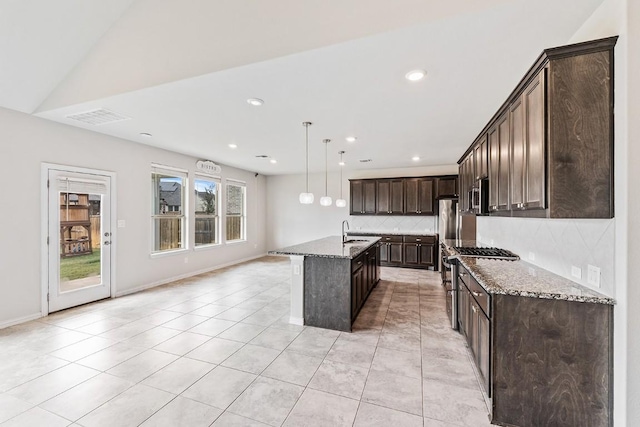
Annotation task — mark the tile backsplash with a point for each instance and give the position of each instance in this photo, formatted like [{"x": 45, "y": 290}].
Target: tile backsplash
[
  {"x": 557, "y": 244},
  {"x": 426, "y": 224}
]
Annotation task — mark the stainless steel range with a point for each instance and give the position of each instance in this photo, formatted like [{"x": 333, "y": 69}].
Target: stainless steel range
[
  {"x": 481, "y": 252},
  {"x": 451, "y": 282}
]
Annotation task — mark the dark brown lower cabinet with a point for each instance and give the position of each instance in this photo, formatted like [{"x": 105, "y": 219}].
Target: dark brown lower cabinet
[
  {"x": 543, "y": 362},
  {"x": 364, "y": 277},
  {"x": 408, "y": 251}
]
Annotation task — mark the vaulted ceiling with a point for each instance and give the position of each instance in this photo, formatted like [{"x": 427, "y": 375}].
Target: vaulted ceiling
[{"x": 182, "y": 71}]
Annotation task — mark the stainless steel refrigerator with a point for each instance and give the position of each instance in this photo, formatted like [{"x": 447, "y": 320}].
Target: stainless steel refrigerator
[{"x": 452, "y": 225}]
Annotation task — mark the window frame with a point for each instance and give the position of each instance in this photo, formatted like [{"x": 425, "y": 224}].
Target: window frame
[
  {"x": 217, "y": 218},
  {"x": 243, "y": 225},
  {"x": 173, "y": 172}
]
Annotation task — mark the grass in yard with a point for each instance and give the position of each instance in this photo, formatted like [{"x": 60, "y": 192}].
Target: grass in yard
[{"x": 81, "y": 266}]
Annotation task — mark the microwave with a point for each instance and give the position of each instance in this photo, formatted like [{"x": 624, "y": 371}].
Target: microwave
[{"x": 479, "y": 197}]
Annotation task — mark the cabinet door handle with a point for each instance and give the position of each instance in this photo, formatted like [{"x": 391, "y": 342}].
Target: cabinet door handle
[
  {"x": 476, "y": 294},
  {"x": 473, "y": 307},
  {"x": 418, "y": 240}
]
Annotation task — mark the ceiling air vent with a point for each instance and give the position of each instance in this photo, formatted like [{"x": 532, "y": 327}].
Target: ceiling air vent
[
  {"x": 101, "y": 116},
  {"x": 364, "y": 160},
  {"x": 262, "y": 156}
]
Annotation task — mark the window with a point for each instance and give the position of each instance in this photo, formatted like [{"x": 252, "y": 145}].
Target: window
[
  {"x": 168, "y": 219},
  {"x": 207, "y": 210},
  {"x": 236, "y": 211}
]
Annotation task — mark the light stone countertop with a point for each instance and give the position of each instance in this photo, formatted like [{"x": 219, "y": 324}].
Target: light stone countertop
[
  {"x": 389, "y": 233},
  {"x": 519, "y": 278},
  {"x": 328, "y": 247}
]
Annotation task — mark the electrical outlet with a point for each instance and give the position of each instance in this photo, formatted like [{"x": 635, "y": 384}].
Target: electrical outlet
[
  {"x": 593, "y": 275},
  {"x": 296, "y": 270},
  {"x": 576, "y": 272},
  {"x": 492, "y": 242},
  {"x": 532, "y": 256},
  {"x": 186, "y": 260},
  {"x": 255, "y": 246},
  {"x": 121, "y": 223}
]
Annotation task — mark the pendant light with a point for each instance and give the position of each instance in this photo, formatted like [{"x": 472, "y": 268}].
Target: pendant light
[
  {"x": 326, "y": 200},
  {"x": 306, "y": 198},
  {"x": 341, "y": 203}
]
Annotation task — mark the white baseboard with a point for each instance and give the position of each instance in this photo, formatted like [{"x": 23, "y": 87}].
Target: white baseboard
[
  {"x": 24, "y": 319},
  {"x": 184, "y": 276},
  {"x": 296, "y": 321}
]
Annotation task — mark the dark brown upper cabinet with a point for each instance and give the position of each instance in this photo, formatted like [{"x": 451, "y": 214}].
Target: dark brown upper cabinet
[
  {"x": 499, "y": 164},
  {"x": 465, "y": 179},
  {"x": 447, "y": 187},
  {"x": 480, "y": 158},
  {"x": 419, "y": 196},
  {"x": 363, "y": 197},
  {"x": 550, "y": 145},
  {"x": 527, "y": 147},
  {"x": 390, "y": 196}
]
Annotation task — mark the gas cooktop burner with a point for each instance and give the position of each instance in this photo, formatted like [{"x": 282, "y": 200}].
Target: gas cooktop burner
[{"x": 486, "y": 253}]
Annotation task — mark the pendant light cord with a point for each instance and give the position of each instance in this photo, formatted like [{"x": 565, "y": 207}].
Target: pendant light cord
[
  {"x": 326, "y": 166},
  {"x": 306, "y": 125}
]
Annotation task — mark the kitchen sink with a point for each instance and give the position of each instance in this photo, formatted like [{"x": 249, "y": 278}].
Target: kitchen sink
[{"x": 356, "y": 241}]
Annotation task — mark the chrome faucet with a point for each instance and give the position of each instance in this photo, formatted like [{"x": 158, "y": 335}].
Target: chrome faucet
[{"x": 344, "y": 233}]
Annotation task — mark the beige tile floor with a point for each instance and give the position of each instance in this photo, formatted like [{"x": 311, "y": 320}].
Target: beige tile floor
[{"x": 217, "y": 349}]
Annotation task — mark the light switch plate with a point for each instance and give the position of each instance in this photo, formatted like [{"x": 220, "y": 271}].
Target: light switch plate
[
  {"x": 576, "y": 272},
  {"x": 121, "y": 223},
  {"x": 532, "y": 256},
  {"x": 593, "y": 275}
]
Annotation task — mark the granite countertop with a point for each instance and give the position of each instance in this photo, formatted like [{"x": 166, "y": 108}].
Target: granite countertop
[
  {"x": 329, "y": 247},
  {"x": 519, "y": 278},
  {"x": 389, "y": 233}
]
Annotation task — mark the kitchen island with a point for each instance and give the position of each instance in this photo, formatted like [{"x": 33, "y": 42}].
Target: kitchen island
[{"x": 331, "y": 280}]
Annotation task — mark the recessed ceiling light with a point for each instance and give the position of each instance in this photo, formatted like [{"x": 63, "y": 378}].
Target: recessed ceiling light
[
  {"x": 341, "y": 163},
  {"x": 365, "y": 160},
  {"x": 351, "y": 139},
  {"x": 256, "y": 102},
  {"x": 145, "y": 135},
  {"x": 415, "y": 158},
  {"x": 415, "y": 75},
  {"x": 273, "y": 161},
  {"x": 233, "y": 146}
]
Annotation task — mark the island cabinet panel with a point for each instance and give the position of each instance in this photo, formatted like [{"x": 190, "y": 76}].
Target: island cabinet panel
[
  {"x": 552, "y": 362},
  {"x": 327, "y": 293}
]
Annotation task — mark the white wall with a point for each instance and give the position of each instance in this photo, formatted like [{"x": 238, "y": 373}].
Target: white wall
[
  {"x": 27, "y": 141},
  {"x": 291, "y": 223}
]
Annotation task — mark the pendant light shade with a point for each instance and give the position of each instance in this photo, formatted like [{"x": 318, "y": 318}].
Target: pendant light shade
[
  {"x": 326, "y": 200},
  {"x": 306, "y": 198},
  {"x": 341, "y": 203}
]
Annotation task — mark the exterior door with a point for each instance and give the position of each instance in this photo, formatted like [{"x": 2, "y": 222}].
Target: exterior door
[{"x": 79, "y": 238}]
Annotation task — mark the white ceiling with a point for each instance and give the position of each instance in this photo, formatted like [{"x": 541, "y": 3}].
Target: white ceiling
[{"x": 184, "y": 69}]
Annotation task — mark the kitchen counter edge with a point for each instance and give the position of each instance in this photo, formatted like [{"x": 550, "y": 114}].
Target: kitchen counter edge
[{"x": 327, "y": 247}]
